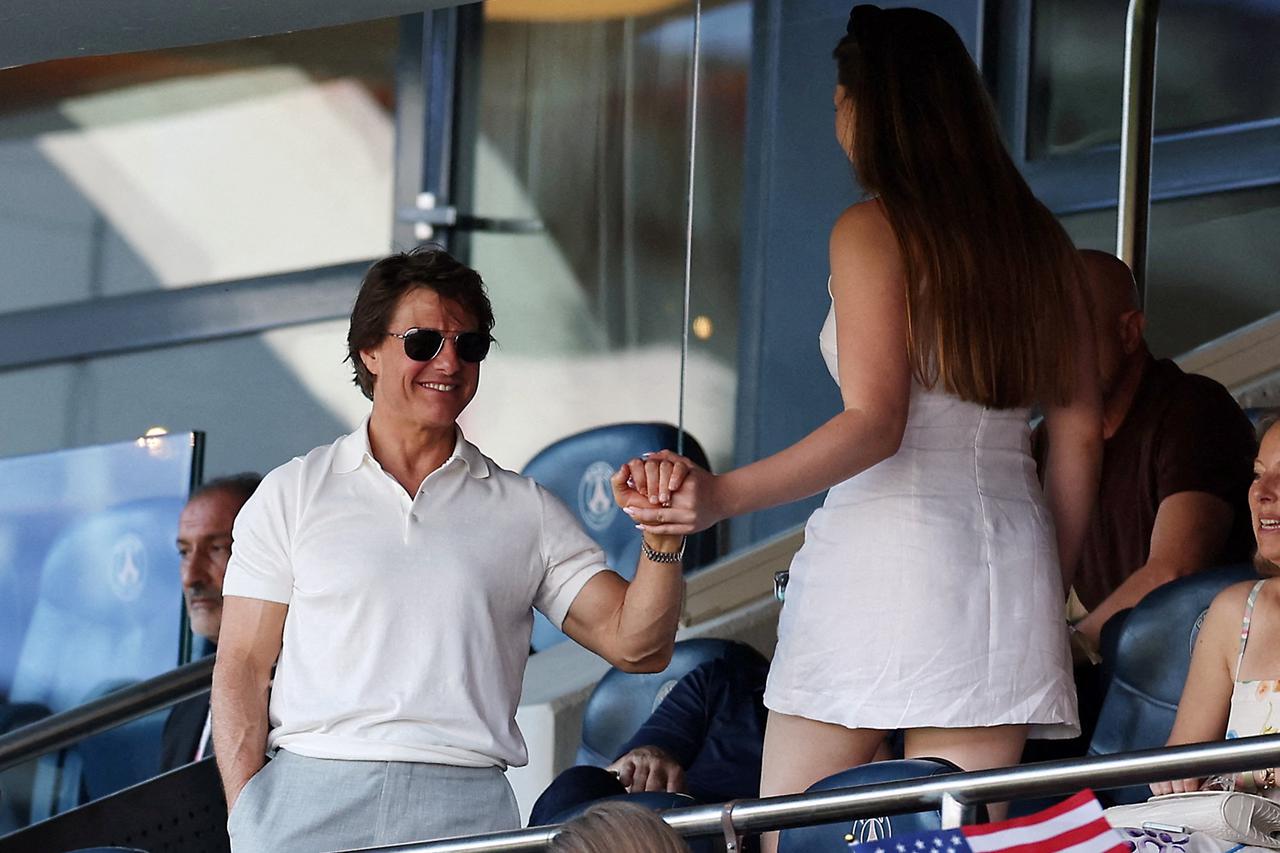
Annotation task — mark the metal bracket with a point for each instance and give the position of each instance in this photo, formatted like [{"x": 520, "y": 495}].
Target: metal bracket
[
  {"x": 426, "y": 217},
  {"x": 732, "y": 843},
  {"x": 956, "y": 813}
]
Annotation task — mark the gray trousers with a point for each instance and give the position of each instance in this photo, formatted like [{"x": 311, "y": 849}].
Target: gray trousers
[{"x": 297, "y": 804}]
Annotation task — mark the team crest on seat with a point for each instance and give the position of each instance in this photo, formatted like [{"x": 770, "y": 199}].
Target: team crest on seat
[{"x": 595, "y": 496}]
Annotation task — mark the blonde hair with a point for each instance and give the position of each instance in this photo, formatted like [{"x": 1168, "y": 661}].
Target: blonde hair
[{"x": 617, "y": 827}]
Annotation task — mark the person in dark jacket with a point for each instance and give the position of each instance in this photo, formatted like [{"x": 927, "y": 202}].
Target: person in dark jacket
[
  {"x": 704, "y": 739},
  {"x": 204, "y": 547}
]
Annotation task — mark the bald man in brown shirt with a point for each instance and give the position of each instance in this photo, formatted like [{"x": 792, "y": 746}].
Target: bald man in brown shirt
[{"x": 1176, "y": 468}]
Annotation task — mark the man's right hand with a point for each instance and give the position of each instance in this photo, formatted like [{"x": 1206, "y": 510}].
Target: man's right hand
[{"x": 649, "y": 768}]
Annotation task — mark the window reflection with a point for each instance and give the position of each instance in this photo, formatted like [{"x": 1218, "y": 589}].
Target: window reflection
[
  {"x": 583, "y": 124},
  {"x": 1217, "y": 65},
  {"x": 1212, "y": 264},
  {"x": 186, "y": 166}
]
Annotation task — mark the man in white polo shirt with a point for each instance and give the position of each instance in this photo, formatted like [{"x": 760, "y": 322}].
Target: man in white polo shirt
[{"x": 393, "y": 576}]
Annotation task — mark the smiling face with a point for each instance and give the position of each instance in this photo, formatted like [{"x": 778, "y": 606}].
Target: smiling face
[
  {"x": 204, "y": 547},
  {"x": 1264, "y": 501},
  {"x": 423, "y": 394}
]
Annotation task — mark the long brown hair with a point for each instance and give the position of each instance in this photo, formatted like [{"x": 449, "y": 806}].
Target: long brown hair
[{"x": 990, "y": 272}]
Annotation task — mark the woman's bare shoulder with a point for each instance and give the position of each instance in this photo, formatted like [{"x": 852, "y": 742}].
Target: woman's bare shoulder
[
  {"x": 863, "y": 245},
  {"x": 863, "y": 220},
  {"x": 1227, "y": 609}
]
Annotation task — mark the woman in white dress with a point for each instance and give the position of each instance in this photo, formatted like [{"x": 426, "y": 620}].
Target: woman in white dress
[{"x": 929, "y": 593}]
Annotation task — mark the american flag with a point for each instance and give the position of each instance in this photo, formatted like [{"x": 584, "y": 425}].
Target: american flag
[{"x": 1075, "y": 825}]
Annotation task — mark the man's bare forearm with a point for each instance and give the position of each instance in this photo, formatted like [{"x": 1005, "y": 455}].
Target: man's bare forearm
[
  {"x": 650, "y": 615},
  {"x": 239, "y": 704}
]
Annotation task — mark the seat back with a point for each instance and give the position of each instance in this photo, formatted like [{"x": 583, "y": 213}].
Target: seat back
[
  {"x": 1150, "y": 660},
  {"x": 838, "y": 836},
  {"x": 577, "y": 470},
  {"x": 18, "y": 782},
  {"x": 123, "y": 755},
  {"x": 109, "y": 605},
  {"x": 622, "y": 701}
]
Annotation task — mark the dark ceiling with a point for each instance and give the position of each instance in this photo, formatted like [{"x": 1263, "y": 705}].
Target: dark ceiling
[{"x": 37, "y": 30}]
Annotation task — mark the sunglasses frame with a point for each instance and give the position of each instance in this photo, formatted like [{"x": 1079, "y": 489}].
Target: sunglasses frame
[{"x": 407, "y": 335}]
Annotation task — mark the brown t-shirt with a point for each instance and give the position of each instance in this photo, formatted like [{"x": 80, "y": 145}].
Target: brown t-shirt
[{"x": 1183, "y": 433}]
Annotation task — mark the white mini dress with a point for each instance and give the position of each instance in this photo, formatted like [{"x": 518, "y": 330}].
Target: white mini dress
[{"x": 927, "y": 592}]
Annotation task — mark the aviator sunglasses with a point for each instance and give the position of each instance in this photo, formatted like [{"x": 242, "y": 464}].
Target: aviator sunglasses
[{"x": 425, "y": 344}]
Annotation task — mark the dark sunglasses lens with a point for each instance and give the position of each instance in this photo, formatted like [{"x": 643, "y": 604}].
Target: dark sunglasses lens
[
  {"x": 473, "y": 346},
  {"x": 422, "y": 344}
]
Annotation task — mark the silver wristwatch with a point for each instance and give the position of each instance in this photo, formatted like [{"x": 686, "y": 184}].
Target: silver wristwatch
[{"x": 662, "y": 556}]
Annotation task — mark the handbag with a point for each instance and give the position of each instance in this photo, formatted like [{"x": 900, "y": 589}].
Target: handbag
[{"x": 1230, "y": 815}]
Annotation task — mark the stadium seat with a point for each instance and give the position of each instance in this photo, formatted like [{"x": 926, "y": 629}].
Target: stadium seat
[
  {"x": 835, "y": 837},
  {"x": 123, "y": 755},
  {"x": 16, "y": 783},
  {"x": 577, "y": 470},
  {"x": 108, "y": 606},
  {"x": 624, "y": 700},
  {"x": 1151, "y": 657},
  {"x": 656, "y": 800}
]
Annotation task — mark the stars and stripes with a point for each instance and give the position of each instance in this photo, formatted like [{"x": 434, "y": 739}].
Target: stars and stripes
[{"x": 1075, "y": 825}]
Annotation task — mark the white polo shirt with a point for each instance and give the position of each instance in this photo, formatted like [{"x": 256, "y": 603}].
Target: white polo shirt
[{"x": 409, "y": 617}]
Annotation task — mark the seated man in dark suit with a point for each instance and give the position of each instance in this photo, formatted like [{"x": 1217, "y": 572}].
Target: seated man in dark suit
[
  {"x": 704, "y": 739},
  {"x": 204, "y": 545}
]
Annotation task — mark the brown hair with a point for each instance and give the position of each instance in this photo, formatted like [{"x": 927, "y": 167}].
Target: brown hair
[
  {"x": 617, "y": 827},
  {"x": 429, "y": 267},
  {"x": 990, "y": 272},
  {"x": 241, "y": 486}
]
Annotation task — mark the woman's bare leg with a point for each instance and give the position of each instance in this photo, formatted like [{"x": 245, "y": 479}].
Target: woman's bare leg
[
  {"x": 972, "y": 749},
  {"x": 799, "y": 752}
]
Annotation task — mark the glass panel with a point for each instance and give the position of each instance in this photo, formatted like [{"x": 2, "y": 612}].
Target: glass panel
[
  {"x": 186, "y": 166},
  {"x": 1213, "y": 263},
  {"x": 1217, "y": 64},
  {"x": 89, "y": 589},
  {"x": 584, "y": 125}
]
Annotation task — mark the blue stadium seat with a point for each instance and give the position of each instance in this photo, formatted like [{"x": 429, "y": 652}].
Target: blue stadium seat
[
  {"x": 1151, "y": 657},
  {"x": 656, "y": 800},
  {"x": 121, "y": 756},
  {"x": 834, "y": 837},
  {"x": 624, "y": 700},
  {"x": 108, "y": 606},
  {"x": 577, "y": 470},
  {"x": 16, "y": 783}
]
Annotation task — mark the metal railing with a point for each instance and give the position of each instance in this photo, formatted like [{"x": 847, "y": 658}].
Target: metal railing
[
  {"x": 128, "y": 703},
  {"x": 956, "y": 794},
  {"x": 1136, "y": 130}
]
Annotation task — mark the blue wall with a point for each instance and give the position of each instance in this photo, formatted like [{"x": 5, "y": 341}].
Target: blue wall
[{"x": 797, "y": 182}]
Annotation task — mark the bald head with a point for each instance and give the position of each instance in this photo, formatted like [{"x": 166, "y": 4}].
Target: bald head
[
  {"x": 1114, "y": 290},
  {"x": 1117, "y": 318}
]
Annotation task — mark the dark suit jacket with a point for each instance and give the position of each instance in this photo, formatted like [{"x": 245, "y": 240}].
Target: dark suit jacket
[
  {"x": 712, "y": 724},
  {"x": 182, "y": 732}
]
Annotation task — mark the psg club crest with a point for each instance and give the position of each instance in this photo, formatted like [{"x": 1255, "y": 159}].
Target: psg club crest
[{"x": 595, "y": 496}]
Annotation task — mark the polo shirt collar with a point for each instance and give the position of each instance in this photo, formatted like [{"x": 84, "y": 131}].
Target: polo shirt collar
[{"x": 353, "y": 449}]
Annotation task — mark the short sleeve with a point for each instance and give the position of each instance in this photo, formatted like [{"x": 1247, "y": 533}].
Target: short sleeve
[
  {"x": 570, "y": 558},
  {"x": 261, "y": 565},
  {"x": 1206, "y": 444}
]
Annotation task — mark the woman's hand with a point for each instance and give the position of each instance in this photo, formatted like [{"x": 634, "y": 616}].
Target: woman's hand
[{"x": 681, "y": 496}]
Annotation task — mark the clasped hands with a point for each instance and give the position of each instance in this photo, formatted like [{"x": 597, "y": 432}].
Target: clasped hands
[{"x": 666, "y": 494}]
